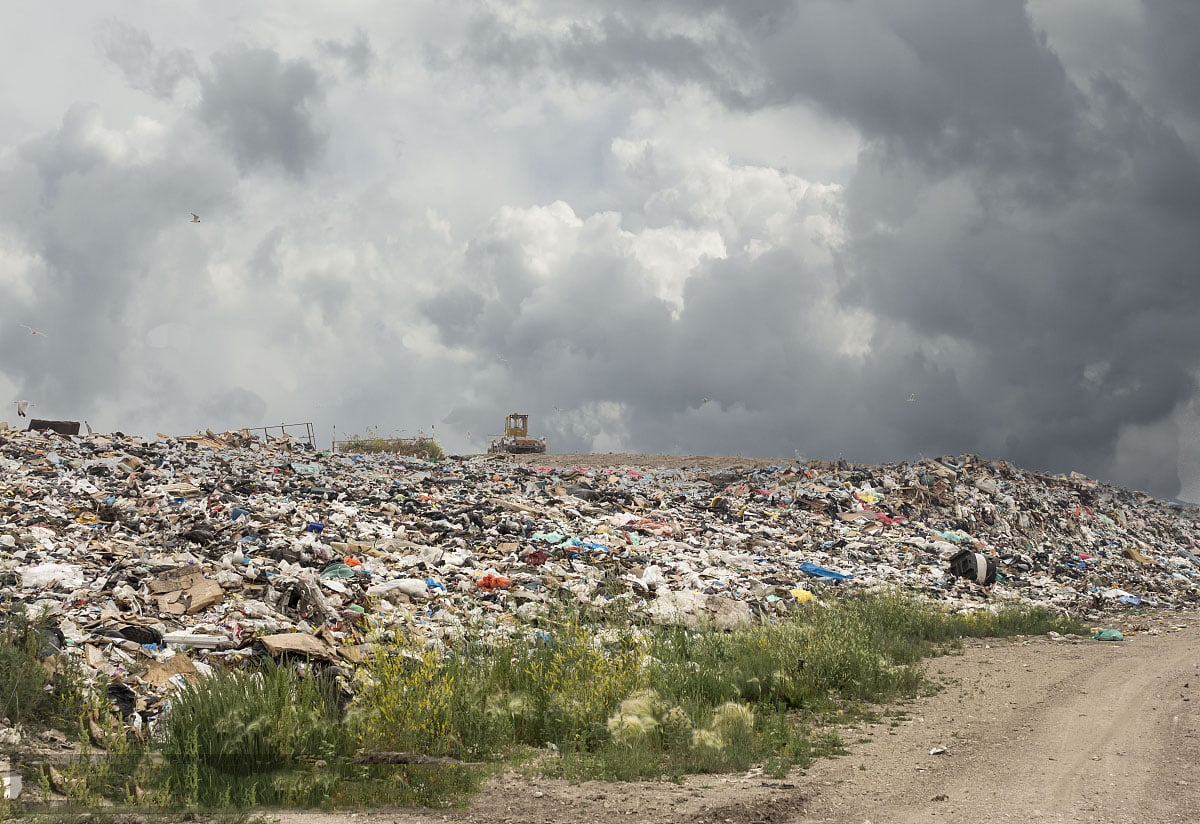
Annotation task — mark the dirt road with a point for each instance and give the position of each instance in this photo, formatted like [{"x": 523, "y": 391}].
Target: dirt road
[{"x": 1036, "y": 730}]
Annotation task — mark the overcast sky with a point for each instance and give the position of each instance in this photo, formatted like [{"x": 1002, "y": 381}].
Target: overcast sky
[{"x": 878, "y": 229}]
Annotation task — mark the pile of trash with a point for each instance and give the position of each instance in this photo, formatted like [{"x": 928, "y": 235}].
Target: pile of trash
[{"x": 152, "y": 561}]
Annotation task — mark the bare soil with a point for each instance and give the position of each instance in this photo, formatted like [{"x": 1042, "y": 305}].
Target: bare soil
[
  {"x": 1035, "y": 729},
  {"x": 612, "y": 459}
]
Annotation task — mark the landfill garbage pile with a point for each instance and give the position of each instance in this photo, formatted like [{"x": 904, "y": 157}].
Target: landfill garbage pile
[{"x": 154, "y": 560}]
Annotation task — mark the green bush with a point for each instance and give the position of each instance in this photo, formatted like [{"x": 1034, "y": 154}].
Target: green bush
[
  {"x": 621, "y": 701},
  {"x": 618, "y": 700},
  {"x": 39, "y": 686},
  {"x": 487, "y": 698},
  {"x": 373, "y": 443},
  {"x": 237, "y": 738}
]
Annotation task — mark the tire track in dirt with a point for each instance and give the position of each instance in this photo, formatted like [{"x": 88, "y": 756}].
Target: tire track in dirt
[{"x": 1077, "y": 734}]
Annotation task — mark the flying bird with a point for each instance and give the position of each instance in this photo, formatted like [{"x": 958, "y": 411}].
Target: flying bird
[
  {"x": 912, "y": 398},
  {"x": 195, "y": 217},
  {"x": 32, "y": 331},
  {"x": 23, "y": 407}
]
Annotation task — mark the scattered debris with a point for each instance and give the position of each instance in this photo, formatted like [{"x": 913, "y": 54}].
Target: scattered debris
[{"x": 156, "y": 561}]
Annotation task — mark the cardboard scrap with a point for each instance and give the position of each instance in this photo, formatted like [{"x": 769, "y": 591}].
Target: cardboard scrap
[
  {"x": 298, "y": 643},
  {"x": 159, "y": 673},
  {"x": 180, "y": 490},
  {"x": 201, "y": 593}
]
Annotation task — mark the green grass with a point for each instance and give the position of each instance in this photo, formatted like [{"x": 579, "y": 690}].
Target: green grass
[
  {"x": 239, "y": 739},
  {"x": 68, "y": 814},
  {"x": 616, "y": 698},
  {"x": 277, "y": 736},
  {"x": 488, "y": 698},
  {"x": 664, "y": 701}
]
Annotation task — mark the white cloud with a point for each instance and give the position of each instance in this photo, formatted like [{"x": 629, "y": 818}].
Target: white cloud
[
  {"x": 20, "y": 271},
  {"x": 671, "y": 254}
]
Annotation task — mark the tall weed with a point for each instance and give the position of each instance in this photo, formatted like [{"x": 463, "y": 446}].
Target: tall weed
[
  {"x": 232, "y": 738},
  {"x": 39, "y": 684},
  {"x": 486, "y": 698},
  {"x": 616, "y": 699}
]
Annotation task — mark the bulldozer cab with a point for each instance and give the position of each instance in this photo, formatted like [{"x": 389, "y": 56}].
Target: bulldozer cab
[
  {"x": 515, "y": 439},
  {"x": 516, "y": 426}
]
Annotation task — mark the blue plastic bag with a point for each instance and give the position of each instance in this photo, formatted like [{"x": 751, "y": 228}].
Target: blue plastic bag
[{"x": 823, "y": 572}]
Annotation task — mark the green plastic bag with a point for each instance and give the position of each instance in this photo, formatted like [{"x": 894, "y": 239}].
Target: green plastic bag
[
  {"x": 337, "y": 571},
  {"x": 1108, "y": 635}
]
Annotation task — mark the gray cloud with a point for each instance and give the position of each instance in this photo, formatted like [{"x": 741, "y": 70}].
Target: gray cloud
[
  {"x": 233, "y": 408},
  {"x": 261, "y": 108},
  {"x": 146, "y": 68},
  {"x": 1171, "y": 28},
  {"x": 1021, "y": 241},
  {"x": 356, "y": 54},
  {"x": 1070, "y": 294},
  {"x": 264, "y": 263},
  {"x": 606, "y": 215},
  {"x": 98, "y": 226}
]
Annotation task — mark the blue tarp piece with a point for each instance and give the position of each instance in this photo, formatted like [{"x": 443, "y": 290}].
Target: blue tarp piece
[{"x": 823, "y": 572}]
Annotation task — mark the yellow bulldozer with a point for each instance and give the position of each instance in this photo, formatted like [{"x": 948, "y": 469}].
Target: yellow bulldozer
[{"x": 516, "y": 440}]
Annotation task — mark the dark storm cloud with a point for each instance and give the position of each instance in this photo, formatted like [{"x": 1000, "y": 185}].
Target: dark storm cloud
[
  {"x": 1172, "y": 26},
  {"x": 1026, "y": 245},
  {"x": 262, "y": 108},
  {"x": 146, "y": 67},
  {"x": 967, "y": 83},
  {"x": 454, "y": 312},
  {"x": 1073, "y": 298},
  {"x": 613, "y": 48}
]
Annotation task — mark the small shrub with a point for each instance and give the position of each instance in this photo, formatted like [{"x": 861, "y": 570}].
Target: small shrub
[
  {"x": 232, "y": 738},
  {"x": 39, "y": 685},
  {"x": 620, "y": 701},
  {"x": 374, "y": 443},
  {"x": 559, "y": 686}
]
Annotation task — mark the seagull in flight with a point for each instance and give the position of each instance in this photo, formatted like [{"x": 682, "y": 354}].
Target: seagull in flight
[
  {"x": 912, "y": 398},
  {"x": 23, "y": 407},
  {"x": 32, "y": 331},
  {"x": 195, "y": 217}
]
